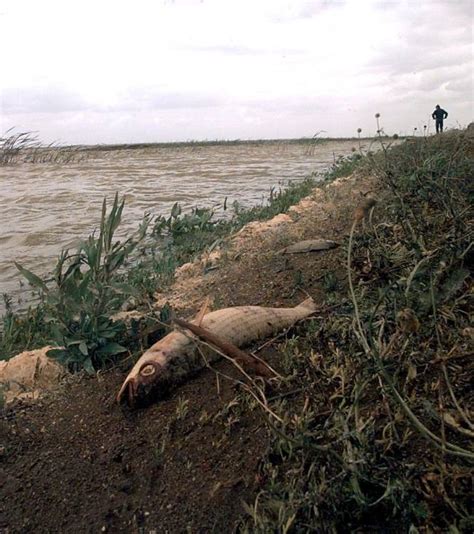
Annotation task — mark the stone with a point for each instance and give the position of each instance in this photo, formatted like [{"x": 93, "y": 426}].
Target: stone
[{"x": 28, "y": 373}]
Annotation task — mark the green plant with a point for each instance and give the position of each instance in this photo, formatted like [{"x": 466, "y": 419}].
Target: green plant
[
  {"x": 21, "y": 331},
  {"x": 2, "y": 397},
  {"x": 180, "y": 238},
  {"x": 86, "y": 288},
  {"x": 343, "y": 166},
  {"x": 374, "y": 428}
]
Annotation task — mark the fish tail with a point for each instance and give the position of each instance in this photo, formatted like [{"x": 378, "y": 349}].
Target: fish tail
[{"x": 307, "y": 305}]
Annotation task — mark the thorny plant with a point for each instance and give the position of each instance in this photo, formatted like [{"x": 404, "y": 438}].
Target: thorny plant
[{"x": 376, "y": 430}]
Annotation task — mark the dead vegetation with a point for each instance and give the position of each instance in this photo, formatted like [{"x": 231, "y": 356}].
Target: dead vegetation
[{"x": 26, "y": 147}]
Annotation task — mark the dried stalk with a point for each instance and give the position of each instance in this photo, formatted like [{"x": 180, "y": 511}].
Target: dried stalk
[{"x": 242, "y": 358}]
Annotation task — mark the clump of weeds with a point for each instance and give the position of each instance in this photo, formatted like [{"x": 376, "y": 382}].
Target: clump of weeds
[
  {"x": 75, "y": 305},
  {"x": 182, "y": 237},
  {"x": 25, "y": 147},
  {"x": 373, "y": 427}
]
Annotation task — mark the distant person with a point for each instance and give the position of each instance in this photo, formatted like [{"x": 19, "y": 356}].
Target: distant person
[{"x": 439, "y": 115}]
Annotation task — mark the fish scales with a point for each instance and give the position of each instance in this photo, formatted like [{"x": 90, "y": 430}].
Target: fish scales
[{"x": 244, "y": 324}]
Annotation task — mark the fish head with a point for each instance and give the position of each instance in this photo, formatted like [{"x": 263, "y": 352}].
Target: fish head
[{"x": 143, "y": 380}]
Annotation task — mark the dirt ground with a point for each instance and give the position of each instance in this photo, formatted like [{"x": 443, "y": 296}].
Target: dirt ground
[{"x": 75, "y": 461}]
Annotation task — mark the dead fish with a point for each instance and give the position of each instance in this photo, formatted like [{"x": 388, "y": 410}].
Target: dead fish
[
  {"x": 174, "y": 357},
  {"x": 309, "y": 245}
]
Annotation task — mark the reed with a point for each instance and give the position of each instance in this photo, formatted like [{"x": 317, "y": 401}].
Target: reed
[{"x": 25, "y": 147}]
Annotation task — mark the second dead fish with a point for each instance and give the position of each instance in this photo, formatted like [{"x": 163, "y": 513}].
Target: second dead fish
[{"x": 309, "y": 245}]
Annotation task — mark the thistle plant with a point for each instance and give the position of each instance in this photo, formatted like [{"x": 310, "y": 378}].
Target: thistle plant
[{"x": 359, "y": 131}]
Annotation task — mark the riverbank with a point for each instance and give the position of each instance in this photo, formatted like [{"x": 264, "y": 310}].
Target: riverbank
[
  {"x": 369, "y": 426},
  {"x": 49, "y": 206}
]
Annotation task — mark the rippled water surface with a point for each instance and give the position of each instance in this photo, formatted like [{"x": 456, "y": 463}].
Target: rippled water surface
[{"x": 47, "y": 207}]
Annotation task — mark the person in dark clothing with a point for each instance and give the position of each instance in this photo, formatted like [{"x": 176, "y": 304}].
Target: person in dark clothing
[{"x": 439, "y": 115}]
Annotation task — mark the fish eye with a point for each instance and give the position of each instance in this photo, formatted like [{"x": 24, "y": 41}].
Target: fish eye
[{"x": 147, "y": 370}]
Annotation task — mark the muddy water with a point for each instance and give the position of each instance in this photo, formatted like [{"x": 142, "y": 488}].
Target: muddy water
[{"x": 47, "y": 207}]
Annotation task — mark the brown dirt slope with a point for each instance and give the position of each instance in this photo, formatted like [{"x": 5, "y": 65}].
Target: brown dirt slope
[{"x": 76, "y": 462}]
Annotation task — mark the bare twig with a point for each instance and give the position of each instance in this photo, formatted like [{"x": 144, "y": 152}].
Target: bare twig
[{"x": 244, "y": 359}]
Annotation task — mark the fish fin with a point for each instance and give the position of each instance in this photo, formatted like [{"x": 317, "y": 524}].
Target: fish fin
[
  {"x": 203, "y": 311},
  {"x": 308, "y": 305}
]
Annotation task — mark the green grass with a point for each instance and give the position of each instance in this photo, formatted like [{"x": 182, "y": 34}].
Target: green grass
[{"x": 379, "y": 434}]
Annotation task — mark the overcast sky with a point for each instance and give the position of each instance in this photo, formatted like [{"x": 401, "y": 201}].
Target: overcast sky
[{"x": 120, "y": 71}]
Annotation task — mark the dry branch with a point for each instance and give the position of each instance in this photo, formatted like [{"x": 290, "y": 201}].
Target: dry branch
[{"x": 245, "y": 360}]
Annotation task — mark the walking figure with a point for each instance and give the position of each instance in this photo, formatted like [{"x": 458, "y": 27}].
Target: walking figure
[{"x": 439, "y": 115}]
